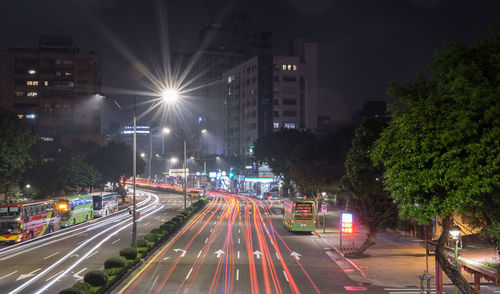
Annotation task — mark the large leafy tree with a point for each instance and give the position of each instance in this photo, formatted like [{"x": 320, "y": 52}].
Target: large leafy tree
[
  {"x": 114, "y": 162},
  {"x": 372, "y": 204},
  {"x": 441, "y": 151},
  {"x": 275, "y": 150},
  {"x": 62, "y": 175},
  {"x": 16, "y": 140}
]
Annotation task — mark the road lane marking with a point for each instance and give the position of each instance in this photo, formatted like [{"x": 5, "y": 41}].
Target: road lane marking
[
  {"x": 238, "y": 254},
  {"x": 166, "y": 258},
  {"x": 239, "y": 231},
  {"x": 277, "y": 256},
  {"x": 115, "y": 241},
  {"x": 285, "y": 276},
  {"x": 54, "y": 276},
  {"x": 206, "y": 240},
  {"x": 92, "y": 254},
  {"x": 77, "y": 275},
  {"x": 237, "y": 275},
  {"x": 211, "y": 230},
  {"x": 30, "y": 274},
  {"x": 199, "y": 253},
  {"x": 8, "y": 275},
  {"x": 238, "y": 240},
  {"x": 51, "y": 255},
  {"x": 187, "y": 277}
]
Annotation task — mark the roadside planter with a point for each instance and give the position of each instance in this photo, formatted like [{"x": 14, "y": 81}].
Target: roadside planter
[{"x": 98, "y": 281}]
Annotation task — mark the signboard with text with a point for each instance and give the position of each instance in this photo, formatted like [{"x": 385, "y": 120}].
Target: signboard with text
[{"x": 346, "y": 222}]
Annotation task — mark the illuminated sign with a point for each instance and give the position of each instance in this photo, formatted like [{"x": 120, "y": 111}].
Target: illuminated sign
[
  {"x": 303, "y": 207},
  {"x": 346, "y": 223},
  {"x": 212, "y": 174}
]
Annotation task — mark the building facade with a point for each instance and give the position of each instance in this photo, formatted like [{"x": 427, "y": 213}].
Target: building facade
[
  {"x": 53, "y": 88},
  {"x": 266, "y": 93},
  {"x": 223, "y": 44}
]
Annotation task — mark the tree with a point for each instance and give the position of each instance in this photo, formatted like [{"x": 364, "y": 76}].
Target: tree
[
  {"x": 15, "y": 143},
  {"x": 374, "y": 207},
  {"x": 441, "y": 151},
  {"x": 316, "y": 165},
  {"x": 62, "y": 175},
  {"x": 114, "y": 162},
  {"x": 275, "y": 150}
]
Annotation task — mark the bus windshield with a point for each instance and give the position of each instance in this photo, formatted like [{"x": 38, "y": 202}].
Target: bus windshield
[
  {"x": 11, "y": 211},
  {"x": 9, "y": 228}
]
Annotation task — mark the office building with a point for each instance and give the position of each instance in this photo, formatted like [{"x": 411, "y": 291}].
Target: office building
[
  {"x": 266, "y": 93},
  {"x": 52, "y": 87}
]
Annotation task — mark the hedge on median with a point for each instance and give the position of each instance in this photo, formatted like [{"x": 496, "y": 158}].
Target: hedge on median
[{"x": 96, "y": 282}]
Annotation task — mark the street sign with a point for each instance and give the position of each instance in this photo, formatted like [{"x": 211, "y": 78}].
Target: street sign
[
  {"x": 323, "y": 208},
  {"x": 137, "y": 215}
]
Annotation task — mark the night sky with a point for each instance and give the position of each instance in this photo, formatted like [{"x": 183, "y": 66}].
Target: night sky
[{"x": 363, "y": 44}]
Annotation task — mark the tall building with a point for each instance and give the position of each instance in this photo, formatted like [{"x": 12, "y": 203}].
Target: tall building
[
  {"x": 53, "y": 89},
  {"x": 266, "y": 93},
  {"x": 222, "y": 44}
]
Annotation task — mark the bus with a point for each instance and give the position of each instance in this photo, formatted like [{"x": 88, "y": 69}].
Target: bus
[
  {"x": 25, "y": 221},
  {"x": 299, "y": 215},
  {"x": 75, "y": 209},
  {"x": 105, "y": 203}
]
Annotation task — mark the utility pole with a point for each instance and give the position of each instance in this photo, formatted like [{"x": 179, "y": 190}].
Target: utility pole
[
  {"x": 134, "y": 171},
  {"x": 185, "y": 174}
]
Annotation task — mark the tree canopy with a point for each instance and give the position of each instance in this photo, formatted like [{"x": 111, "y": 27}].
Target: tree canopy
[
  {"x": 15, "y": 143},
  {"x": 373, "y": 205},
  {"x": 441, "y": 151},
  {"x": 114, "y": 161}
]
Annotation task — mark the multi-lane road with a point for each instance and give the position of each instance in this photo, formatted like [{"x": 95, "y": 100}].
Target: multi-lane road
[
  {"x": 238, "y": 245},
  {"x": 55, "y": 262}
]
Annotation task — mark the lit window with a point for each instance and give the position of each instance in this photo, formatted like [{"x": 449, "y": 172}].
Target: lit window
[
  {"x": 47, "y": 139},
  {"x": 276, "y": 125},
  {"x": 18, "y": 93},
  {"x": 32, "y": 71},
  {"x": 32, "y": 83},
  {"x": 68, "y": 73},
  {"x": 31, "y": 116},
  {"x": 294, "y": 67},
  {"x": 289, "y": 125},
  {"x": 32, "y": 94},
  {"x": 289, "y": 67},
  {"x": 284, "y": 66},
  {"x": 46, "y": 83}
]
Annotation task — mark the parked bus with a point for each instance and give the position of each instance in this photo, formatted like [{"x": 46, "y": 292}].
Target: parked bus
[
  {"x": 75, "y": 209},
  {"x": 105, "y": 203},
  {"x": 25, "y": 221},
  {"x": 299, "y": 215}
]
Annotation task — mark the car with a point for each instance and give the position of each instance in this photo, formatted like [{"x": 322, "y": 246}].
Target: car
[{"x": 194, "y": 193}]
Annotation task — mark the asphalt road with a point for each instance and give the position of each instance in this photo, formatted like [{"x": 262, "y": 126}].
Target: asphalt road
[
  {"x": 56, "y": 262},
  {"x": 237, "y": 245}
]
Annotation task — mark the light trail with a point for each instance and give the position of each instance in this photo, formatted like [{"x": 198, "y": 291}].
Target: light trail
[
  {"x": 89, "y": 252},
  {"x": 68, "y": 232},
  {"x": 141, "y": 274},
  {"x": 41, "y": 274}
]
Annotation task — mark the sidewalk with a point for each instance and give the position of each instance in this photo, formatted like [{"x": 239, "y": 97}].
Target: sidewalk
[{"x": 395, "y": 260}]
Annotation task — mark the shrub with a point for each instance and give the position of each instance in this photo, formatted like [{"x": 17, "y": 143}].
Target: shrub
[
  {"x": 151, "y": 237},
  {"x": 85, "y": 287},
  {"x": 113, "y": 271},
  {"x": 71, "y": 291},
  {"x": 142, "y": 243},
  {"x": 96, "y": 278},
  {"x": 115, "y": 261},
  {"x": 157, "y": 232},
  {"x": 129, "y": 253}
]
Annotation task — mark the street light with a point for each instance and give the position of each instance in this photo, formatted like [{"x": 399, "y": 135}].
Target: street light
[
  {"x": 168, "y": 131},
  {"x": 169, "y": 96},
  {"x": 28, "y": 186},
  {"x": 455, "y": 235}
]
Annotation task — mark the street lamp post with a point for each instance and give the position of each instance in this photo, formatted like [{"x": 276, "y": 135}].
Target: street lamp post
[{"x": 134, "y": 171}]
